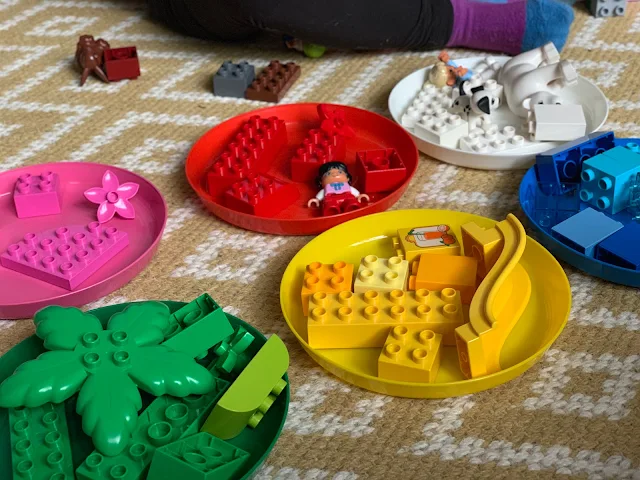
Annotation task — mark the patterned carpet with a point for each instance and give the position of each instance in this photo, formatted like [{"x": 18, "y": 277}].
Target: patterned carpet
[{"x": 575, "y": 413}]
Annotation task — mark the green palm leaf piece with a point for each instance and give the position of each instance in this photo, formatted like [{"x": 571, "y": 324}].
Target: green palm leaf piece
[
  {"x": 108, "y": 403},
  {"x": 145, "y": 323},
  {"x": 162, "y": 371},
  {"x": 53, "y": 377},
  {"x": 62, "y": 328},
  {"x": 107, "y": 366}
]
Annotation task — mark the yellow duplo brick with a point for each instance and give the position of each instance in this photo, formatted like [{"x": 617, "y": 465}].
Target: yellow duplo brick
[
  {"x": 434, "y": 239},
  {"x": 363, "y": 320},
  {"x": 328, "y": 278},
  {"x": 435, "y": 272},
  {"x": 381, "y": 274},
  {"x": 483, "y": 245},
  {"x": 410, "y": 354}
]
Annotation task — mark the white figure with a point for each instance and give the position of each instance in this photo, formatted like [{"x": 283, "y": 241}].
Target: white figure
[{"x": 536, "y": 76}]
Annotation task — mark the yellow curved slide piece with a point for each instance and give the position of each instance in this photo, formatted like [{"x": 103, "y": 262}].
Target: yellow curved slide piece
[{"x": 496, "y": 306}]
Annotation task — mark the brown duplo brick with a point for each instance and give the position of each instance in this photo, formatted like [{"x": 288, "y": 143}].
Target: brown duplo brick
[{"x": 273, "y": 82}]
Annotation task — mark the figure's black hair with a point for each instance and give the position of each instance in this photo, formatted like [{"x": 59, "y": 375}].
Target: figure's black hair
[{"x": 325, "y": 167}]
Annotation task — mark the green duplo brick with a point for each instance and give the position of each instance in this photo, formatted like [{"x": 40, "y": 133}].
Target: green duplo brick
[
  {"x": 164, "y": 421},
  {"x": 40, "y": 445},
  {"x": 252, "y": 393},
  {"x": 201, "y": 325},
  {"x": 199, "y": 457}
]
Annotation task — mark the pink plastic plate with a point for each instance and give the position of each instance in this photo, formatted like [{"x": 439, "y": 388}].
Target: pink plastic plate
[{"x": 20, "y": 295}]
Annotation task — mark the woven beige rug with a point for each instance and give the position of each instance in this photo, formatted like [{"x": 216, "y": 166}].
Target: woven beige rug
[{"x": 575, "y": 413}]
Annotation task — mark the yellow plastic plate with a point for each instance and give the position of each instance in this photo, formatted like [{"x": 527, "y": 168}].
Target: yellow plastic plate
[{"x": 541, "y": 323}]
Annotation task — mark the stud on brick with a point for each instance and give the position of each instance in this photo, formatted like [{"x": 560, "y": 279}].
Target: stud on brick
[
  {"x": 121, "y": 63},
  {"x": 65, "y": 256},
  {"x": 198, "y": 457},
  {"x": 317, "y": 148},
  {"x": 232, "y": 79},
  {"x": 379, "y": 170},
  {"x": 381, "y": 274},
  {"x": 273, "y": 82},
  {"x": 257, "y": 143},
  {"x": 410, "y": 354},
  {"x": 260, "y": 195},
  {"x": 36, "y": 195},
  {"x": 435, "y": 272},
  {"x": 362, "y": 320},
  {"x": 607, "y": 179},
  {"x": 327, "y": 278}
]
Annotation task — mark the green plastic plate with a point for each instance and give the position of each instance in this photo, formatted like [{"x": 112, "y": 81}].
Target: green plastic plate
[{"x": 258, "y": 442}]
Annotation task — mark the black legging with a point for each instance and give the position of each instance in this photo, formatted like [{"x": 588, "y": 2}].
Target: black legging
[{"x": 346, "y": 24}]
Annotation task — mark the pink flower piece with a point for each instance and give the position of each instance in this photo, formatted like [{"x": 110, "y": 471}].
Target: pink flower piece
[{"x": 113, "y": 197}]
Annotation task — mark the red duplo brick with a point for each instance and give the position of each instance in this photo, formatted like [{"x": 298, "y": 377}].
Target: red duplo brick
[
  {"x": 121, "y": 63},
  {"x": 317, "y": 148},
  {"x": 255, "y": 146},
  {"x": 379, "y": 170},
  {"x": 260, "y": 195}
]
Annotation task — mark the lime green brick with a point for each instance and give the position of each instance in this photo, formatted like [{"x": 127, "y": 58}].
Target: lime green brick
[{"x": 253, "y": 392}]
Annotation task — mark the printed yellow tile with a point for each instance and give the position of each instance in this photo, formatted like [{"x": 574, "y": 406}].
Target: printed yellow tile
[{"x": 435, "y": 239}]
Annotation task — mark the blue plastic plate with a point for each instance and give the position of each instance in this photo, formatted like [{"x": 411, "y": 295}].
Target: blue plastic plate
[{"x": 541, "y": 230}]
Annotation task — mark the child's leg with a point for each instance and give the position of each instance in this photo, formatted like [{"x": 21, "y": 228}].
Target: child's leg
[
  {"x": 206, "y": 19},
  {"x": 509, "y": 26}
]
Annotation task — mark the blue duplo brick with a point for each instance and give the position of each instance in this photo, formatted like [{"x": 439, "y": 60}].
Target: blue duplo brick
[
  {"x": 584, "y": 230},
  {"x": 622, "y": 248}
]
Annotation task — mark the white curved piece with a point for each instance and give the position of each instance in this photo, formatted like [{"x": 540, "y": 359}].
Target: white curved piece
[{"x": 536, "y": 72}]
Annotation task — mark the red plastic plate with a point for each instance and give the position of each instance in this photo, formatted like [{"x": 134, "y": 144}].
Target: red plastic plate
[
  {"x": 372, "y": 132},
  {"x": 20, "y": 295}
]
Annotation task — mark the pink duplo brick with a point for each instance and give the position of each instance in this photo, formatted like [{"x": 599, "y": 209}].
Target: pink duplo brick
[
  {"x": 36, "y": 195},
  {"x": 66, "y": 256}
]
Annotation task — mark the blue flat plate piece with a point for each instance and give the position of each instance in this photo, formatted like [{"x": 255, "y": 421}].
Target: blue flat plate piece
[{"x": 529, "y": 191}]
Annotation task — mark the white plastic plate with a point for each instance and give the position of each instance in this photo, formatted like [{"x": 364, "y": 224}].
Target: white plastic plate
[{"x": 596, "y": 110}]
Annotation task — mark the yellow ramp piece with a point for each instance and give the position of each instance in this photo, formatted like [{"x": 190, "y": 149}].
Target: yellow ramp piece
[{"x": 497, "y": 305}]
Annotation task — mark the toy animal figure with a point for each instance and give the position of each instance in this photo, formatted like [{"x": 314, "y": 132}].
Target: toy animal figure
[
  {"x": 90, "y": 57},
  {"x": 536, "y": 76},
  {"x": 474, "y": 100},
  {"x": 337, "y": 194}
]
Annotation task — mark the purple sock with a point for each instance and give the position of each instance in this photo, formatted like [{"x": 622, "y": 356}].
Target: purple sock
[
  {"x": 489, "y": 26},
  {"x": 510, "y": 26}
]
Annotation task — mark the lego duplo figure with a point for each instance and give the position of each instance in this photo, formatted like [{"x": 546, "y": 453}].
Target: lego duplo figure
[
  {"x": 337, "y": 194},
  {"x": 439, "y": 74}
]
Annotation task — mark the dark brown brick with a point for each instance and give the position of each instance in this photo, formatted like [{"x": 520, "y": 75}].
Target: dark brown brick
[{"x": 273, "y": 82}]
